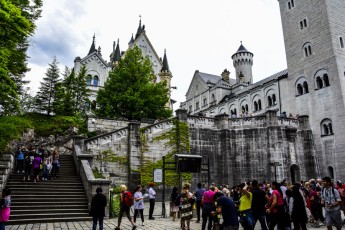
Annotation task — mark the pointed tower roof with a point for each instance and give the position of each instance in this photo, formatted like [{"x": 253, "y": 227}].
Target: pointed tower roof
[
  {"x": 131, "y": 41},
  {"x": 117, "y": 54},
  {"x": 138, "y": 30},
  {"x": 165, "y": 66},
  {"x": 242, "y": 49},
  {"x": 93, "y": 46}
]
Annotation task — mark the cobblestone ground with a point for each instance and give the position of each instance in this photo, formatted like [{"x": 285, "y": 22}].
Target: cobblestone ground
[{"x": 109, "y": 224}]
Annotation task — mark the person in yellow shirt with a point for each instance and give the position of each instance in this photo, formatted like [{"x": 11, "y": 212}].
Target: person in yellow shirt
[{"x": 246, "y": 216}]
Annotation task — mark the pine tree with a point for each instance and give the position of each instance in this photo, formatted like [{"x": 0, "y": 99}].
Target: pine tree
[
  {"x": 45, "y": 96},
  {"x": 81, "y": 92},
  {"x": 130, "y": 91}
]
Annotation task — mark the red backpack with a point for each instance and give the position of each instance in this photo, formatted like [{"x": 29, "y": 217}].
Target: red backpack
[{"x": 128, "y": 199}]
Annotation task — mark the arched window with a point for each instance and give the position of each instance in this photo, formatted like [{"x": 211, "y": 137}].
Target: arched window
[
  {"x": 274, "y": 100},
  {"x": 95, "y": 81},
  {"x": 259, "y": 104},
  {"x": 325, "y": 80},
  {"x": 319, "y": 83},
  {"x": 246, "y": 107},
  {"x": 326, "y": 127},
  {"x": 341, "y": 42},
  {"x": 256, "y": 106},
  {"x": 93, "y": 105},
  {"x": 88, "y": 79},
  {"x": 235, "y": 112},
  {"x": 269, "y": 101},
  {"x": 305, "y": 87},
  {"x": 243, "y": 108},
  {"x": 307, "y": 49},
  {"x": 299, "y": 89}
]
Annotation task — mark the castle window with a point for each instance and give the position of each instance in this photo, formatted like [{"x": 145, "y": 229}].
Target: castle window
[
  {"x": 246, "y": 108},
  {"x": 299, "y": 89},
  {"x": 307, "y": 49},
  {"x": 259, "y": 104},
  {"x": 190, "y": 108},
  {"x": 95, "y": 81},
  {"x": 341, "y": 42},
  {"x": 197, "y": 105},
  {"x": 274, "y": 99},
  {"x": 319, "y": 83},
  {"x": 326, "y": 127},
  {"x": 325, "y": 80},
  {"x": 305, "y": 87},
  {"x": 213, "y": 98},
  {"x": 303, "y": 24},
  {"x": 205, "y": 101},
  {"x": 291, "y": 4},
  {"x": 88, "y": 79},
  {"x": 269, "y": 101}
]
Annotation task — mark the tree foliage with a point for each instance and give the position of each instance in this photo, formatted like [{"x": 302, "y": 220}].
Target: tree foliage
[
  {"x": 72, "y": 93},
  {"x": 47, "y": 92},
  {"x": 17, "y": 19},
  {"x": 130, "y": 91}
]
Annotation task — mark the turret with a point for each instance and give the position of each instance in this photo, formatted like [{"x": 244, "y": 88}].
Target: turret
[
  {"x": 93, "y": 46},
  {"x": 166, "y": 75},
  {"x": 243, "y": 62}
]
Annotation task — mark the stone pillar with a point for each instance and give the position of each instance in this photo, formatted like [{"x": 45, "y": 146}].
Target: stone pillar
[
  {"x": 181, "y": 115},
  {"x": 134, "y": 154},
  {"x": 271, "y": 118},
  {"x": 304, "y": 122},
  {"x": 222, "y": 121}
]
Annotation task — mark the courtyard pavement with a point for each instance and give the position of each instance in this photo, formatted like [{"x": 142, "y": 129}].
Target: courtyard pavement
[{"x": 109, "y": 224}]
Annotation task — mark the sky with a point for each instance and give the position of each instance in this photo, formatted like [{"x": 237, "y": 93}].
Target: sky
[{"x": 197, "y": 35}]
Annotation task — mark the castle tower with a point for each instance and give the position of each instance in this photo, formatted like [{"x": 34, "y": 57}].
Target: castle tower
[
  {"x": 243, "y": 62},
  {"x": 166, "y": 75},
  {"x": 314, "y": 33}
]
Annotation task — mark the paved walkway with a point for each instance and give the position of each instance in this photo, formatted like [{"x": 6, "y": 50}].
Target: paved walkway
[{"x": 109, "y": 224}]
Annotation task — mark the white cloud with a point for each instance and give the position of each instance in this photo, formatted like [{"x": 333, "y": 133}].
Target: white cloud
[{"x": 197, "y": 34}]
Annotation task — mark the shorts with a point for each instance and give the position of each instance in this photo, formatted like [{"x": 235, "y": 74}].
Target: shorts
[{"x": 333, "y": 218}]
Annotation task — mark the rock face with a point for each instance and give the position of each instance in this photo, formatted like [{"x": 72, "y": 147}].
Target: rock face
[{"x": 239, "y": 149}]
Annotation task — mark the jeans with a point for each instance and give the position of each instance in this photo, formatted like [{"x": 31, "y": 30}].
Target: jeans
[
  {"x": 137, "y": 212},
  {"x": 261, "y": 217},
  {"x": 152, "y": 207},
  {"x": 2, "y": 225},
  {"x": 100, "y": 219},
  {"x": 45, "y": 171}
]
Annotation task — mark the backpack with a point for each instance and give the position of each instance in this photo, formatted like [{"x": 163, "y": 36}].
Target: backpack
[{"x": 128, "y": 199}]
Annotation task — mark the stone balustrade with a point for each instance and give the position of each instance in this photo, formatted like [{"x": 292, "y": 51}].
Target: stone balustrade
[{"x": 200, "y": 122}]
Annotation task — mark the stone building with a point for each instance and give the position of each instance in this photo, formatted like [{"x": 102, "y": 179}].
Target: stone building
[
  {"x": 98, "y": 68},
  {"x": 313, "y": 84}
]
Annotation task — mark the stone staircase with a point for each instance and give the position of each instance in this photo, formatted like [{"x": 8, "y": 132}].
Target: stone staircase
[{"x": 60, "y": 200}]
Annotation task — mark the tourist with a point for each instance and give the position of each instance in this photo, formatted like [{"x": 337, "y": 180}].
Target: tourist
[
  {"x": 330, "y": 198},
  {"x": 208, "y": 208},
  {"x": 259, "y": 202},
  {"x": 47, "y": 165},
  {"x": 315, "y": 203},
  {"x": 55, "y": 164},
  {"x": 174, "y": 208},
  {"x": 36, "y": 167},
  {"x": 297, "y": 209},
  {"x": 5, "y": 204},
  {"x": 246, "y": 216},
  {"x": 97, "y": 211},
  {"x": 198, "y": 194},
  {"x": 152, "y": 195},
  {"x": 138, "y": 204},
  {"x": 186, "y": 207},
  {"x": 226, "y": 207},
  {"x": 275, "y": 208},
  {"x": 20, "y": 159},
  {"x": 27, "y": 165},
  {"x": 124, "y": 208}
]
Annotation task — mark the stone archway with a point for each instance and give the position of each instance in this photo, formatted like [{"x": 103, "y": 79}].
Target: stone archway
[
  {"x": 330, "y": 172},
  {"x": 295, "y": 174}
]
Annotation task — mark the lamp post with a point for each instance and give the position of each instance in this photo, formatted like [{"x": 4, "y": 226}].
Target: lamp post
[{"x": 275, "y": 165}]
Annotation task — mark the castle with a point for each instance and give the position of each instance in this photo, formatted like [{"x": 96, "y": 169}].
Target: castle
[
  {"x": 98, "y": 68},
  {"x": 312, "y": 85}
]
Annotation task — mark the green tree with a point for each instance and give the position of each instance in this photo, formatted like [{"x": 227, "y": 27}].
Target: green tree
[
  {"x": 130, "y": 91},
  {"x": 45, "y": 96},
  {"x": 17, "y": 19},
  {"x": 72, "y": 93}
]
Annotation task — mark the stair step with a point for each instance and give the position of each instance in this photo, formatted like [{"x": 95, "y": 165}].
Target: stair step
[
  {"x": 52, "y": 206},
  {"x": 48, "y": 215},
  {"x": 47, "y": 220},
  {"x": 50, "y": 210}
]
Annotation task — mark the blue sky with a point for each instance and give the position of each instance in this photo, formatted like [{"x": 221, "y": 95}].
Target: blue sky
[{"x": 197, "y": 34}]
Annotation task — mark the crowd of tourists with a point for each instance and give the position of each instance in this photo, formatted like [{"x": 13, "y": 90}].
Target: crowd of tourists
[{"x": 42, "y": 163}]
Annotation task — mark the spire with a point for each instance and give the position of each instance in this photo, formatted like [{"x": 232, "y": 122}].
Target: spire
[
  {"x": 117, "y": 55},
  {"x": 131, "y": 41},
  {"x": 93, "y": 46},
  {"x": 114, "y": 45},
  {"x": 242, "y": 49},
  {"x": 165, "y": 62},
  {"x": 138, "y": 30}
]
